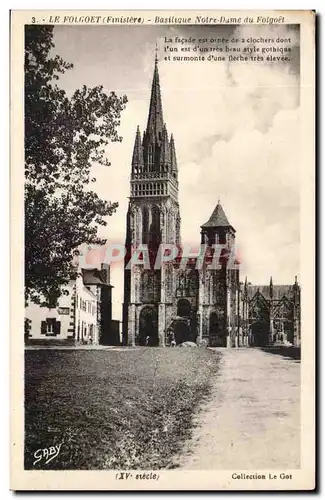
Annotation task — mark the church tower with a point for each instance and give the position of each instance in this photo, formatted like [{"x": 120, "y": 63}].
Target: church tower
[
  {"x": 153, "y": 218},
  {"x": 219, "y": 288}
]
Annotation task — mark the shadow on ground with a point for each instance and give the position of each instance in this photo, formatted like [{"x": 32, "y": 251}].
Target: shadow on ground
[{"x": 290, "y": 352}]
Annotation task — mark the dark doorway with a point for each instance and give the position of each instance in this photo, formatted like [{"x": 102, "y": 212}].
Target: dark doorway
[
  {"x": 185, "y": 326},
  {"x": 260, "y": 333},
  {"x": 217, "y": 337},
  {"x": 148, "y": 327},
  {"x": 182, "y": 332},
  {"x": 289, "y": 330}
]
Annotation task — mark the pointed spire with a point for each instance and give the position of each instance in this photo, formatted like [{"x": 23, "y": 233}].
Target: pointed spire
[
  {"x": 155, "y": 118},
  {"x": 245, "y": 285},
  {"x": 218, "y": 218},
  {"x": 271, "y": 287},
  {"x": 156, "y": 53},
  {"x": 173, "y": 159},
  {"x": 137, "y": 158},
  {"x": 165, "y": 153}
]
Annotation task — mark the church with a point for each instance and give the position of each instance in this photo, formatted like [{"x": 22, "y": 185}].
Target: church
[{"x": 190, "y": 302}]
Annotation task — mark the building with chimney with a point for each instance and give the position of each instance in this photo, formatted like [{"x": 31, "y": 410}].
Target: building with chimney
[{"x": 192, "y": 302}]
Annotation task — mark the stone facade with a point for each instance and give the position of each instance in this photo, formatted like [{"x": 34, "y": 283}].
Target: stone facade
[
  {"x": 190, "y": 302},
  {"x": 271, "y": 314}
]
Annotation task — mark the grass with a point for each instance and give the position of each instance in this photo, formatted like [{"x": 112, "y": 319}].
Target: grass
[{"x": 124, "y": 409}]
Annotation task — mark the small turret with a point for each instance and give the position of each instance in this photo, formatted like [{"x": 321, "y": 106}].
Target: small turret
[
  {"x": 245, "y": 287},
  {"x": 165, "y": 153},
  {"x": 218, "y": 230},
  {"x": 173, "y": 160},
  {"x": 137, "y": 158}
]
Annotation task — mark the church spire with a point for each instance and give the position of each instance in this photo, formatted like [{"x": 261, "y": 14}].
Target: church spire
[
  {"x": 155, "y": 118},
  {"x": 137, "y": 158},
  {"x": 173, "y": 160}
]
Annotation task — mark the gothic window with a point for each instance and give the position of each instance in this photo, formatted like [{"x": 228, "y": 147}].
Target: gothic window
[
  {"x": 214, "y": 323},
  {"x": 181, "y": 283},
  {"x": 150, "y": 286},
  {"x": 222, "y": 238},
  {"x": 145, "y": 225},
  {"x": 283, "y": 317},
  {"x": 192, "y": 283},
  {"x": 169, "y": 280},
  {"x": 211, "y": 239},
  {"x": 220, "y": 290},
  {"x": 155, "y": 235},
  {"x": 171, "y": 228},
  {"x": 259, "y": 310},
  {"x": 149, "y": 154},
  {"x": 187, "y": 283}
]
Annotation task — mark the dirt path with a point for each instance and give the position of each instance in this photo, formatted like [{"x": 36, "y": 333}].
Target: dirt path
[{"x": 252, "y": 419}]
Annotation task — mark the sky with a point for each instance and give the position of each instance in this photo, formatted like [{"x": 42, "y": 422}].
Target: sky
[{"x": 236, "y": 130}]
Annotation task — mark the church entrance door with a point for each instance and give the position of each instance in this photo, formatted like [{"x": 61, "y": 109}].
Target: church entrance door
[
  {"x": 182, "y": 331},
  {"x": 260, "y": 333},
  {"x": 148, "y": 327},
  {"x": 184, "y": 324},
  {"x": 217, "y": 337}
]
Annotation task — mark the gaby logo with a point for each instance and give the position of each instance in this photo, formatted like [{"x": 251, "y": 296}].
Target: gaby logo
[{"x": 47, "y": 454}]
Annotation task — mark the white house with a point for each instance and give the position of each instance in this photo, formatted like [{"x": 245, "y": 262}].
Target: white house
[{"x": 73, "y": 321}]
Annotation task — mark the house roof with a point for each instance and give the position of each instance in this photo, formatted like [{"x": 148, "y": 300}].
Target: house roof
[{"x": 92, "y": 277}]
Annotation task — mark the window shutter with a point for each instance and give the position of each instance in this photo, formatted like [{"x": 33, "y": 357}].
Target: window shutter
[{"x": 43, "y": 327}]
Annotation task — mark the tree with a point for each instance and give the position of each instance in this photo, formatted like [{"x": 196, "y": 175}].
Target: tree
[{"x": 64, "y": 137}]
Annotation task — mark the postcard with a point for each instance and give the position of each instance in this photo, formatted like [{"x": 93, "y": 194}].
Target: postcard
[{"x": 162, "y": 250}]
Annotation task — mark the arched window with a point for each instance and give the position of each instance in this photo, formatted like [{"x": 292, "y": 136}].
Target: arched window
[
  {"x": 213, "y": 327},
  {"x": 155, "y": 236},
  {"x": 145, "y": 225},
  {"x": 192, "y": 283},
  {"x": 150, "y": 286},
  {"x": 150, "y": 156}
]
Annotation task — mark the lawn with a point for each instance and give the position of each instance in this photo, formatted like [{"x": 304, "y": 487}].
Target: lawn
[{"x": 114, "y": 409}]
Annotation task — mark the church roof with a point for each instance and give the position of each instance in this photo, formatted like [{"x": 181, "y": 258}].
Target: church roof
[
  {"x": 278, "y": 291},
  {"x": 218, "y": 218}
]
